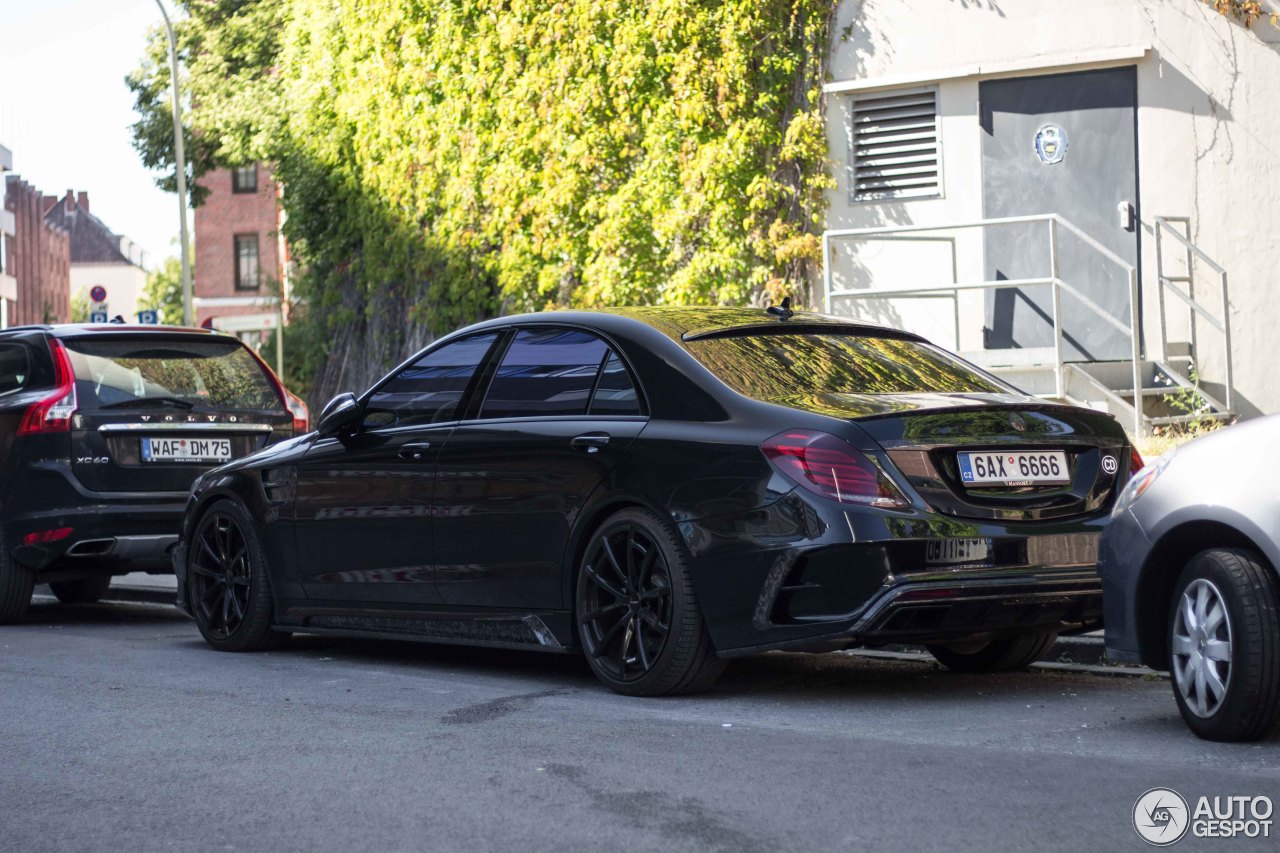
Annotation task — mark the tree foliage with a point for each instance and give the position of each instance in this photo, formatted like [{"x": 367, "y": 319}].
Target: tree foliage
[
  {"x": 454, "y": 159},
  {"x": 1246, "y": 12},
  {"x": 163, "y": 292}
]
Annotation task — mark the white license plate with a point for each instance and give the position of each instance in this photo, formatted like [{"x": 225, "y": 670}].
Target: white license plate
[
  {"x": 946, "y": 551},
  {"x": 1013, "y": 468},
  {"x": 186, "y": 449}
]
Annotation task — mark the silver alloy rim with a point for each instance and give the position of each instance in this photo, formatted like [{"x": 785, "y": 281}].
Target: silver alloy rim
[{"x": 1202, "y": 648}]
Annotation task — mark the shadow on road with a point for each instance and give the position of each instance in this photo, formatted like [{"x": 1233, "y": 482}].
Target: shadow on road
[
  {"x": 792, "y": 679},
  {"x": 49, "y": 611}
]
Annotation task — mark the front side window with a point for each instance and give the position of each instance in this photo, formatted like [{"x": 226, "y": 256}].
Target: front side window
[
  {"x": 247, "y": 276},
  {"x": 244, "y": 179},
  {"x": 429, "y": 390},
  {"x": 15, "y": 367},
  {"x": 545, "y": 372},
  {"x": 206, "y": 374}
]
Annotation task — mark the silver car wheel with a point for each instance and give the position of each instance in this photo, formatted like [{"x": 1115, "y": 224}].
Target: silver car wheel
[{"x": 1202, "y": 648}]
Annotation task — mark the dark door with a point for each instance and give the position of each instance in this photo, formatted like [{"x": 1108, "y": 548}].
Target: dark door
[
  {"x": 364, "y": 501},
  {"x": 559, "y": 413},
  {"x": 1064, "y": 144}
]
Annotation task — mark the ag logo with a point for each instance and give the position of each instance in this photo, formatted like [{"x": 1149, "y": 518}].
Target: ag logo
[
  {"x": 1161, "y": 817},
  {"x": 1110, "y": 465}
]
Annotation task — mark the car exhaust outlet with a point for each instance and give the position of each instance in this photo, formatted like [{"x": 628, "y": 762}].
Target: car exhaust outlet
[{"x": 92, "y": 548}]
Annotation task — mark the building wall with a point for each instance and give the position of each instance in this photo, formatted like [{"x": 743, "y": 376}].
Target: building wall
[
  {"x": 222, "y": 216},
  {"x": 1208, "y": 148},
  {"x": 38, "y": 256},
  {"x": 124, "y": 284}
]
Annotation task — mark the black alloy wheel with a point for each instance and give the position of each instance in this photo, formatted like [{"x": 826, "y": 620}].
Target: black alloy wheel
[
  {"x": 638, "y": 618},
  {"x": 228, "y": 590},
  {"x": 1003, "y": 655}
]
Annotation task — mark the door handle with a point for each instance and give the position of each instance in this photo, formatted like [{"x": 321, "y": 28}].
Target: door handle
[
  {"x": 414, "y": 451},
  {"x": 590, "y": 442}
]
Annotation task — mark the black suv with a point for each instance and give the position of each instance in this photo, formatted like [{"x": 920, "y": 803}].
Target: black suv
[{"x": 103, "y": 428}]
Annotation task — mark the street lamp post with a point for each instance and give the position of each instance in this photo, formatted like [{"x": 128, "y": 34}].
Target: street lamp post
[{"x": 187, "y": 318}]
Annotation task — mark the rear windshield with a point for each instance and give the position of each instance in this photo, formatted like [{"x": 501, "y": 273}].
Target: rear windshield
[
  {"x": 203, "y": 373},
  {"x": 781, "y": 365}
]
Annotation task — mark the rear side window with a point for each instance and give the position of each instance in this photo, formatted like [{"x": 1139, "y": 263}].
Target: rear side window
[
  {"x": 429, "y": 389},
  {"x": 545, "y": 372},
  {"x": 217, "y": 374},
  {"x": 15, "y": 367},
  {"x": 775, "y": 366},
  {"x": 615, "y": 392}
]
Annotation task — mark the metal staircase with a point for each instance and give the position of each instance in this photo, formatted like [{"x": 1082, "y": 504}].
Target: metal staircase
[{"x": 1163, "y": 386}]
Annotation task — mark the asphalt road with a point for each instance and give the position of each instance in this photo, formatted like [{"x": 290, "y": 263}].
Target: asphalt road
[{"x": 120, "y": 730}]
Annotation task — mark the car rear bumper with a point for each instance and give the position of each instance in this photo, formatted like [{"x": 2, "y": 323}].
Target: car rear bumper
[
  {"x": 115, "y": 537},
  {"x": 867, "y": 578}
]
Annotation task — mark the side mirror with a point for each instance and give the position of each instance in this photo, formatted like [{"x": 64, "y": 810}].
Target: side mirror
[{"x": 338, "y": 414}]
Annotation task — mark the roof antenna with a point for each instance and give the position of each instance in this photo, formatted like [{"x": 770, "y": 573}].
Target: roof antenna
[
  {"x": 118, "y": 320},
  {"x": 783, "y": 311}
]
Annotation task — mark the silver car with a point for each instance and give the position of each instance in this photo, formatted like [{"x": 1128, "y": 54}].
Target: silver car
[{"x": 1189, "y": 578}]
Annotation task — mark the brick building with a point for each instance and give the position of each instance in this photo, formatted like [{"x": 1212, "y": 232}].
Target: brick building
[
  {"x": 38, "y": 256},
  {"x": 99, "y": 256},
  {"x": 241, "y": 260}
]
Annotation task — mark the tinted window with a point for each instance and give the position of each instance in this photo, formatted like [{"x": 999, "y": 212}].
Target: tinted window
[
  {"x": 615, "y": 393},
  {"x": 216, "y": 374},
  {"x": 545, "y": 372},
  {"x": 786, "y": 365},
  {"x": 429, "y": 390},
  {"x": 15, "y": 367}
]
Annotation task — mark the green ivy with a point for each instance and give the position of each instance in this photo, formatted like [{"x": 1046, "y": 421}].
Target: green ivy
[{"x": 455, "y": 159}]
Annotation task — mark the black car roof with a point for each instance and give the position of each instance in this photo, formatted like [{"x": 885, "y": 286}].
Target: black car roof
[
  {"x": 70, "y": 330},
  {"x": 687, "y": 323}
]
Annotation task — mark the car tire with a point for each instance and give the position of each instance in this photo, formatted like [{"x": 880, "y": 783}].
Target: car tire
[
  {"x": 83, "y": 591},
  {"x": 1004, "y": 655},
  {"x": 228, "y": 584},
  {"x": 1238, "y": 586},
  {"x": 634, "y": 578},
  {"x": 17, "y": 582}
]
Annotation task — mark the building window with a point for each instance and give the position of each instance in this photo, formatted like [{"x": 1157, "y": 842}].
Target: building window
[
  {"x": 895, "y": 146},
  {"x": 246, "y": 261},
  {"x": 244, "y": 179}
]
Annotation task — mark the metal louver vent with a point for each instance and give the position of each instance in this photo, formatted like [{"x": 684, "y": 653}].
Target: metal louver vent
[{"x": 895, "y": 145}]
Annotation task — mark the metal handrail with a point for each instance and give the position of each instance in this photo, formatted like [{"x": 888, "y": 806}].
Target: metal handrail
[
  {"x": 1054, "y": 280},
  {"x": 1223, "y": 325}
]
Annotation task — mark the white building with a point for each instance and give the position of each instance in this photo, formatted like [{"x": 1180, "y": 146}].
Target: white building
[
  {"x": 1120, "y": 124},
  {"x": 8, "y": 284},
  {"x": 99, "y": 256}
]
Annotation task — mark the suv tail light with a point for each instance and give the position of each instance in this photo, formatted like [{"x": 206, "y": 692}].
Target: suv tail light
[
  {"x": 53, "y": 413},
  {"x": 833, "y": 468},
  {"x": 297, "y": 408},
  {"x": 1135, "y": 461}
]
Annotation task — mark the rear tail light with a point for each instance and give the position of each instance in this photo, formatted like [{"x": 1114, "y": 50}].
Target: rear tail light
[
  {"x": 297, "y": 408},
  {"x": 301, "y": 414},
  {"x": 1135, "y": 461},
  {"x": 42, "y": 536},
  {"x": 833, "y": 468},
  {"x": 53, "y": 413}
]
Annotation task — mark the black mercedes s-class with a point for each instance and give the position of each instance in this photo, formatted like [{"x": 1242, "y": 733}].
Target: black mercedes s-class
[{"x": 665, "y": 488}]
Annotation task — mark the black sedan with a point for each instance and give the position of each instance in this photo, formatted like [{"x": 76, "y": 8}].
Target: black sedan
[{"x": 665, "y": 488}]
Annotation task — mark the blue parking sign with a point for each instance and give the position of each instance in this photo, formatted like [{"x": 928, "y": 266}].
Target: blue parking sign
[
  {"x": 149, "y": 318},
  {"x": 98, "y": 317}
]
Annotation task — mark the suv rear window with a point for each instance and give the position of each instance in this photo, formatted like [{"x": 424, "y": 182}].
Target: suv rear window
[
  {"x": 216, "y": 374},
  {"x": 776, "y": 365}
]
